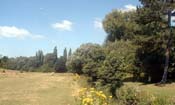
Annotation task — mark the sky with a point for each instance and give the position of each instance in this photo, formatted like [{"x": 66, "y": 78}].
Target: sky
[{"x": 27, "y": 26}]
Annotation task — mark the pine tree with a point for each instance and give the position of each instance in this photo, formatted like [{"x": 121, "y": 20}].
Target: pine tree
[
  {"x": 70, "y": 52},
  {"x": 39, "y": 57},
  {"x": 155, "y": 29},
  {"x": 65, "y": 54},
  {"x": 55, "y": 52}
]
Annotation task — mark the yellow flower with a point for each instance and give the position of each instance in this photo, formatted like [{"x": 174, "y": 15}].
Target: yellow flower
[
  {"x": 87, "y": 101},
  {"x": 101, "y": 92},
  {"x": 92, "y": 91},
  {"x": 105, "y": 103},
  {"x": 82, "y": 91},
  {"x": 103, "y": 96},
  {"x": 110, "y": 96}
]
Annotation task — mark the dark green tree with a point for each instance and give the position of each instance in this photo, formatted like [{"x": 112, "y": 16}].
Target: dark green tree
[
  {"x": 39, "y": 57},
  {"x": 3, "y": 61},
  {"x": 65, "y": 54},
  {"x": 55, "y": 52},
  {"x": 60, "y": 65},
  {"x": 70, "y": 53},
  {"x": 120, "y": 25},
  {"x": 154, "y": 35}
]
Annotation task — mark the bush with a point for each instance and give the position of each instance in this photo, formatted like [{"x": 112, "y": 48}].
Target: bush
[
  {"x": 128, "y": 96},
  {"x": 135, "y": 96},
  {"x": 92, "y": 97},
  {"x": 44, "y": 68},
  {"x": 109, "y": 64}
]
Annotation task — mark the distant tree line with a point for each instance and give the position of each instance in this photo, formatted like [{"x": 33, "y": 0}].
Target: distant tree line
[{"x": 40, "y": 62}]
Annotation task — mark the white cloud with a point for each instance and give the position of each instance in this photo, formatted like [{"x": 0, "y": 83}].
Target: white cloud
[
  {"x": 128, "y": 8},
  {"x": 36, "y": 36},
  {"x": 15, "y": 32},
  {"x": 98, "y": 23},
  {"x": 65, "y": 25}
]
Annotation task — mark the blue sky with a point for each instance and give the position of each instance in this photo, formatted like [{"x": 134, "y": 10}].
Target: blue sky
[{"x": 30, "y": 25}]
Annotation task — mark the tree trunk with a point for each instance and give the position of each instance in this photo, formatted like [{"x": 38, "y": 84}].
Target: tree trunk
[
  {"x": 167, "y": 56},
  {"x": 164, "y": 77}
]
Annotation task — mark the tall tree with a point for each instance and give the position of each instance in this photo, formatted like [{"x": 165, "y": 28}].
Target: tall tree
[
  {"x": 155, "y": 35},
  {"x": 55, "y": 51},
  {"x": 40, "y": 57},
  {"x": 65, "y": 54},
  {"x": 120, "y": 25},
  {"x": 70, "y": 52},
  {"x": 4, "y": 61}
]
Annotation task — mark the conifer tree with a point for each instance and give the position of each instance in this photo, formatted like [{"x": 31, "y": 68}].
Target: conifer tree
[
  {"x": 70, "y": 52},
  {"x": 65, "y": 54}
]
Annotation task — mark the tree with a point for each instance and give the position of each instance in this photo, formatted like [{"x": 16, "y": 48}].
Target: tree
[
  {"x": 85, "y": 59},
  {"x": 0, "y": 61},
  {"x": 4, "y": 61},
  {"x": 65, "y": 54},
  {"x": 40, "y": 57},
  {"x": 155, "y": 34},
  {"x": 70, "y": 53},
  {"x": 60, "y": 65},
  {"x": 50, "y": 59},
  {"x": 120, "y": 25},
  {"x": 55, "y": 52}
]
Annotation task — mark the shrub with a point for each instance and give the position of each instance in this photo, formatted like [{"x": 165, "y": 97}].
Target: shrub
[
  {"x": 128, "y": 96},
  {"x": 92, "y": 97},
  {"x": 135, "y": 96}
]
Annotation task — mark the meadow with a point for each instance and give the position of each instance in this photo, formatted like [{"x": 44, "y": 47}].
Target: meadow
[
  {"x": 37, "y": 88},
  {"x": 31, "y": 88}
]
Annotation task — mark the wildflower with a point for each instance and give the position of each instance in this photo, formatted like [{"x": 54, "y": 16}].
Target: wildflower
[
  {"x": 105, "y": 103},
  {"x": 101, "y": 92},
  {"x": 87, "y": 101},
  {"x": 153, "y": 98},
  {"x": 92, "y": 91},
  {"x": 103, "y": 96},
  {"x": 93, "y": 97}
]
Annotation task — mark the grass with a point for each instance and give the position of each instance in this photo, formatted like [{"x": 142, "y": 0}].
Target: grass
[
  {"x": 55, "y": 89},
  {"x": 167, "y": 91},
  {"x": 37, "y": 88}
]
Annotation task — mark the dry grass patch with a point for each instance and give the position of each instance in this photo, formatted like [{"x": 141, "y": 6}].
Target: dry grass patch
[{"x": 37, "y": 88}]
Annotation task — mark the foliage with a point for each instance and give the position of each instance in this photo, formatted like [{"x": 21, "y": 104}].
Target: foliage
[
  {"x": 70, "y": 52},
  {"x": 109, "y": 64},
  {"x": 65, "y": 54},
  {"x": 119, "y": 25},
  {"x": 154, "y": 35},
  {"x": 39, "y": 63},
  {"x": 60, "y": 65},
  {"x": 85, "y": 59},
  {"x": 3, "y": 61},
  {"x": 131, "y": 95},
  {"x": 92, "y": 97}
]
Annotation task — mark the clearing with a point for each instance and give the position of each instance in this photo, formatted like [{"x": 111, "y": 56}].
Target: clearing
[
  {"x": 37, "y": 88},
  {"x": 54, "y": 88}
]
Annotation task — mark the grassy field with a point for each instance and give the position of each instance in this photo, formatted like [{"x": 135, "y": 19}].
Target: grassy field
[
  {"x": 37, "y": 88},
  {"x": 167, "y": 90},
  {"x": 54, "y": 89}
]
